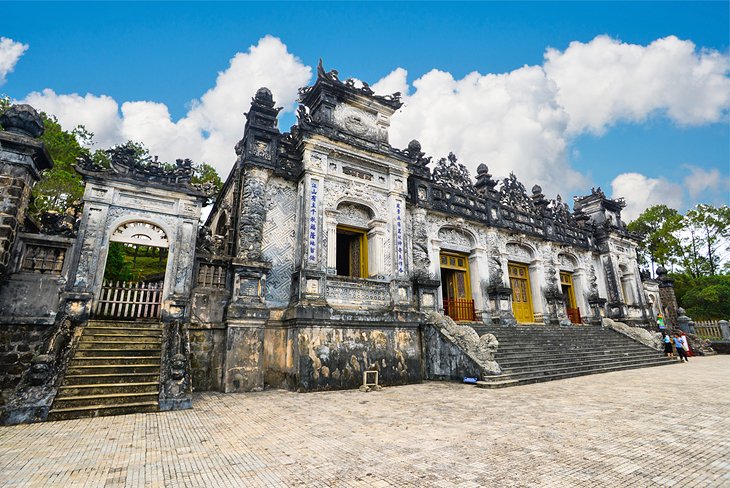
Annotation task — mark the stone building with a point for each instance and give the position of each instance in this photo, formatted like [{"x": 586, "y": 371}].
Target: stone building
[{"x": 322, "y": 258}]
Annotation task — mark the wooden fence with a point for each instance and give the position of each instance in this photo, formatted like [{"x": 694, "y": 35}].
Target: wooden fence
[
  {"x": 709, "y": 329},
  {"x": 460, "y": 309},
  {"x": 129, "y": 300}
]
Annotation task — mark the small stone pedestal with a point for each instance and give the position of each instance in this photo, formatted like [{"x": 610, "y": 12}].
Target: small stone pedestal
[
  {"x": 499, "y": 302},
  {"x": 598, "y": 310}
]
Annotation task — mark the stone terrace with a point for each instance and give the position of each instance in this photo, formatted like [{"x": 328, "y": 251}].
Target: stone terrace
[{"x": 629, "y": 428}]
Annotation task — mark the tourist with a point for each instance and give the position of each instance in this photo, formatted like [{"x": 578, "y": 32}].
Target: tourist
[
  {"x": 685, "y": 344},
  {"x": 681, "y": 353},
  {"x": 667, "y": 345}
]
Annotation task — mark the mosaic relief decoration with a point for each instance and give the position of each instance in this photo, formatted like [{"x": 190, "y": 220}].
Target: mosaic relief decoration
[
  {"x": 455, "y": 237},
  {"x": 519, "y": 253},
  {"x": 279, "y": 239}
]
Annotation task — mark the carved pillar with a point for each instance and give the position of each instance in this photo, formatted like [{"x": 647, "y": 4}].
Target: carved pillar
[
  {"x": 22, "y": 158},
  {"x": 253, "y": 213},
  {"x": 419, "y": 241},
  {"x": 477, "y": 269},
  {"x": 331, "y": 226},
  {"x": 376, "y": 249}
]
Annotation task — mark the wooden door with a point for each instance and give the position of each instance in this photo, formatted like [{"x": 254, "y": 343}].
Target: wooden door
[
  {"x": 571, "y": 306},
  {"x": 519, "y": 279}
]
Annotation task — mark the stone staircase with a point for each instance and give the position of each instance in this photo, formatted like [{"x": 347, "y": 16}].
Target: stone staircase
[
  {"x": 530, "y": 354},
  {"x": 114, "y": 370}
]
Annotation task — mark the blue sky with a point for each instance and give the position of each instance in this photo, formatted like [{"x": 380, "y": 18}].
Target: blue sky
[{"x": 172, "y": 53}]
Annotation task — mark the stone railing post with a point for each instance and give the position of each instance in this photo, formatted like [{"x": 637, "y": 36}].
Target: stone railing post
[
  {"x": 22, "y": 158},
  {"x": 725, "y": 328}
]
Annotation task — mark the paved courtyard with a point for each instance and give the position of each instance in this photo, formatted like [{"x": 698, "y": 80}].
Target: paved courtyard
[{"x": 665, "y": 426}]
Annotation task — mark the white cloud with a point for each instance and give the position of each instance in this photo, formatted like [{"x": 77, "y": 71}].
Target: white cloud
[
  {"x": 509, "y": 121},
  {"x": 99, "y": 114},
  {"x": 641, "y": 192},
  {"x": 10, "y": 53},
  {"x": 210, "y": 129},
  {"x": 605, "y": 81},
  {"x": 521, "y": 121},
  {"x": 701, "y": 180},
  {"x": 525, "y": 120}
]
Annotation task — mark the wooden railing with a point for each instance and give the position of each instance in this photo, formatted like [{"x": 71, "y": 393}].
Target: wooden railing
[
  {"x": 574, "y": 315},
  {"x": 460, "y": 309},
  {"x": 43, "y": 259},
  {"x": 212, "y": 275},
  {"x": 129, "y": 300},
  {"x": 709, "y": 329}
]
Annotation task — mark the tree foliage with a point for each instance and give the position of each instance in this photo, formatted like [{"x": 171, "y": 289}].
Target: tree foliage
[
  {"x": 61, "y": 188},
  {"x": 659, "y": 226},
  {"x": 704, "y": 297}
]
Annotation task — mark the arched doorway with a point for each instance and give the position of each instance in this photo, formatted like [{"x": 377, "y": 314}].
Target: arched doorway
[{"x": 134, "y": 273}]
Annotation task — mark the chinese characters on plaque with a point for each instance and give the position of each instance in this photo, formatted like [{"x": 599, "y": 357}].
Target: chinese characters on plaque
[{"x": 312, "y": 228}]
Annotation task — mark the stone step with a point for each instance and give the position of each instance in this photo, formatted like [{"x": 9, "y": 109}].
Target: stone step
[
  {"x": 93, "y": 329},
  {"x": 100, "y": 352},
  {"x": 575, "y": 362},
  {"x": 103, "y": 410},
  {"x": 504, "y": 382},
  {"x": 67, "y": 391},
  {"x": 132, "y": 343},
  {"x": 138, "y": 324},
  {"x": 568, "y": 345},
  {"x": 567, "y": 358},
  {"x": 118, "y": 369},
  {"x": 570, "y": 349},
  {"x": 110, "y": 378},
  {"x": 104, "y": 335},
  {"x": 103, "y": 399},
  {"x": 115, "y": 360},
  {"x": 557, "y": 369}
]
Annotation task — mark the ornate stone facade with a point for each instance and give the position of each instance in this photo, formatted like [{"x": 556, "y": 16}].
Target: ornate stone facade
[{"x": 326, "y": 246}]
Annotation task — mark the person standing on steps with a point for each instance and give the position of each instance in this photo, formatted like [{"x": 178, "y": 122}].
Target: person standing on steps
[
  {"x": 681, "y": 353},
  {"x": 685, "y": 345},
  {"x": 667, "y": 345}
]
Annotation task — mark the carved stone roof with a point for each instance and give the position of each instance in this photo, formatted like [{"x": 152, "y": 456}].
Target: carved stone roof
[
  {"x": 126, "y": 164},
  {"x": 331, "y": 78},
  {"x": 452, "y": 174}
]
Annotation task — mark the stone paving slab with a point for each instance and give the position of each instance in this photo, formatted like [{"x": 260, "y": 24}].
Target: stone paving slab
[{"x": 663, "y": 426}]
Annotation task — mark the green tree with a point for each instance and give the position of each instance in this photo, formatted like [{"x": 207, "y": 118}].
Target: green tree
[
  {"x": 205, "y": 173},
  {"x": 704, "y": 297},
  {"x": 117, "y": 268},
  {"x": 708, "y": 230},
  {"x": 659, "y": 227}
]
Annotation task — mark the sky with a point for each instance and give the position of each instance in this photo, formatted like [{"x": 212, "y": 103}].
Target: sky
[{"x": 633, "y": 97}]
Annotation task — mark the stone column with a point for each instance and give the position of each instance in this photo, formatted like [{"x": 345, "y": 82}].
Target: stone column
[
  {"x": 476, "y": 264},
  {"x": 725, "y": 328},
  {"x": 253, "y": 213},
  {"x": 331, "y": 226},
  {"x": 22, "y": 158},
  {"x": 667, "y": 297},
  {"x": 376, "y": 249}
]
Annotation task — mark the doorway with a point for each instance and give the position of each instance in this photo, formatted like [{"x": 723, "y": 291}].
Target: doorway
[
  {"x": 456, "y": 287},
  {"x": 571, "y": 306},
  {"x": 519, "y": 280},
  {"x": 352, "y": 252},
  {"x": 134, "y": 274}
]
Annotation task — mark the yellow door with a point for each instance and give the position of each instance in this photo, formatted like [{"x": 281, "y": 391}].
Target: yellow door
[
  {"x": 458, "y": 303},
  {"x": 571, "y": 307},
  {"x": 519, "y": 279}
]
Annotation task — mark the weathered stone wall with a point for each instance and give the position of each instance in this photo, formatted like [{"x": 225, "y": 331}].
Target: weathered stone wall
[
  {"x": 207, "y": 348},
  {"x": 330, "y": 358},
  {"x": 18, "y": 345},
  {"x": 278, "y": 356},
  {"x": 30, "y": 298},
  {"x": 445, "y": 360},
  {"x": 15, "y": 186}
]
